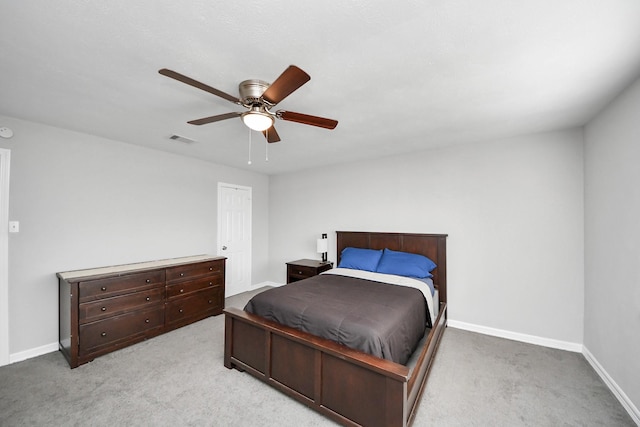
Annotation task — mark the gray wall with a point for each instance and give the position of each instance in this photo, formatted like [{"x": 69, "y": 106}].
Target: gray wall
[
  {"x": 513, "y": 210},
  {"x": 612, "y": 240},
  {"x": 84, "y": 202},
  {"x": 516, "y": 211}
]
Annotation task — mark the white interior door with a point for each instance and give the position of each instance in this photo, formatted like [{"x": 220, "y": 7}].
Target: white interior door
[
  {"x": 234, "y": 235},
  {"x": 4, "y": 256}
]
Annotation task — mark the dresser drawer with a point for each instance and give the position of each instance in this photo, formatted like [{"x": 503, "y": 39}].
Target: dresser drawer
[
  {"x": 102, "y": 288},
  {"x": 186, "y": 272},
  {"x": 109, "y": 331},
  {"x": 206, "y": 300},
  {"x": 183, "y": 288},
  {"x": 106, "y": 307}
]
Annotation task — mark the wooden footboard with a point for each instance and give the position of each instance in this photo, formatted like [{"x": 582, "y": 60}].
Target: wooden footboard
[{"x": 351, "y": 387}]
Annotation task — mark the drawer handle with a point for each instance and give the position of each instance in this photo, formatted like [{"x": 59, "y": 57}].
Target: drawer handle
[
  {"x": 181, "y": 274},
  {"x": 104, "y": 288},
  {"x": 299, "y": 272},
  {"x": 148, "y": 280},
  {"x": 210, "y": 283},
  {"x": 104, "y": 334},
  {"x": 146, "y": 320},
  {"x": 104, "y": 309},
  {"x": 181, "y": 290},
  {"x": 210, "y": 301},
  {"x": 210, "y": 268},
  {"x": 180, "y": 310},
  {"x": 148, "y": 298}
]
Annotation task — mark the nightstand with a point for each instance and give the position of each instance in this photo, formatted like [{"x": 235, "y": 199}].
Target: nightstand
[{"x": 304, "y": 268}]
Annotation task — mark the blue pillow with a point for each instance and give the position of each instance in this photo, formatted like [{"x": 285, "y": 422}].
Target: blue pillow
[
  {"x": 405, "y": 264},
  {"x": 360, "y": 259}
]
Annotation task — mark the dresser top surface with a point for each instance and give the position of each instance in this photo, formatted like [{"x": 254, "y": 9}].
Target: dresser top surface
[{"x": 126, "y": 268}]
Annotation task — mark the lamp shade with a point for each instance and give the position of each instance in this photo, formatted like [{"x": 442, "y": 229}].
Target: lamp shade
[{"x": 322, "y": 246}]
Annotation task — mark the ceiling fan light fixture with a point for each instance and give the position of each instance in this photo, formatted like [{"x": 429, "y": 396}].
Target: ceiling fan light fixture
[{"x": 257, "y": 119}]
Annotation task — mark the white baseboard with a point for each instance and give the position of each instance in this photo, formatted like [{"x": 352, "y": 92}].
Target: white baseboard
[
  {"x": 34, "y": 352},
  {"x": 515, "y": 336},
  {"x": 613, "y": 386}
]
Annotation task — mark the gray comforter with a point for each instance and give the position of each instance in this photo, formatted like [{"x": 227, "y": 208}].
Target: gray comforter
[{"x": 381, "y": 319}]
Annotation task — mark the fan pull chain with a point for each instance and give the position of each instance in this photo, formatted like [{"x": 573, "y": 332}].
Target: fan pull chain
[
  {"x": 249, "y": 162},
  {"x": 266, "y": 147}
]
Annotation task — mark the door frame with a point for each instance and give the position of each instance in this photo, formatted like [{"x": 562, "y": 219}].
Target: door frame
[
  {"x": 5, "y": 160},
  {"x": 219, "y": 251}
]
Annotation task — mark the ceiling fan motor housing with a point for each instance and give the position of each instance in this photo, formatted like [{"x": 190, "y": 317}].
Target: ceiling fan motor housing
[{"x": 251, "y": 91}]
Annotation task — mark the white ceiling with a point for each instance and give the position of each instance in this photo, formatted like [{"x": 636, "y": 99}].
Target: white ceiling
[{"x": 398, "y": 76}]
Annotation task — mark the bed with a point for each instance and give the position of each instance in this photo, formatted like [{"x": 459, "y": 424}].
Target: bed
[{"x": 347, "y": 385}]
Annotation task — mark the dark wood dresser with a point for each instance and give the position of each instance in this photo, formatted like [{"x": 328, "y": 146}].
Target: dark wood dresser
[
  {"x": 105, "y": 309},
  {"x": 303, "y": 268}
]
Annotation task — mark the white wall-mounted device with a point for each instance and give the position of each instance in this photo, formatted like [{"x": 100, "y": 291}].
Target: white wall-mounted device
[{"x": 5, "y": 132}]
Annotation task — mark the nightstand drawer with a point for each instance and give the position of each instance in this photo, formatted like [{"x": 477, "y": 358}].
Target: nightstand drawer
[
  {"x": 301, "y": 271},
  {"x": 305, "y": 268}
]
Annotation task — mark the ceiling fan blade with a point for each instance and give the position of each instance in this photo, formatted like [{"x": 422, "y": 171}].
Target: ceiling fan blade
[
  {"x": 191, "y": 82},
  {"x": 212, "y": 119},
  {"x": 271, "y": 134},
  {"x": 290, "y": 80},
  {"x": 306, "y": 119}
]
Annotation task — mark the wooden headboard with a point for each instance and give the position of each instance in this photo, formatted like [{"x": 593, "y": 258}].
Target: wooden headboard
[{"x": 433, "y": 246}]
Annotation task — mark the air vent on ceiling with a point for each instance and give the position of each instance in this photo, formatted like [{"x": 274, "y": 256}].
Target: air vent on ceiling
[{"x": 181, "y": 139}]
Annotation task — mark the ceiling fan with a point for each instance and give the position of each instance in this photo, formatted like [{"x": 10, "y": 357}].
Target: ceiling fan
[{"x": 259, "y": 98}]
